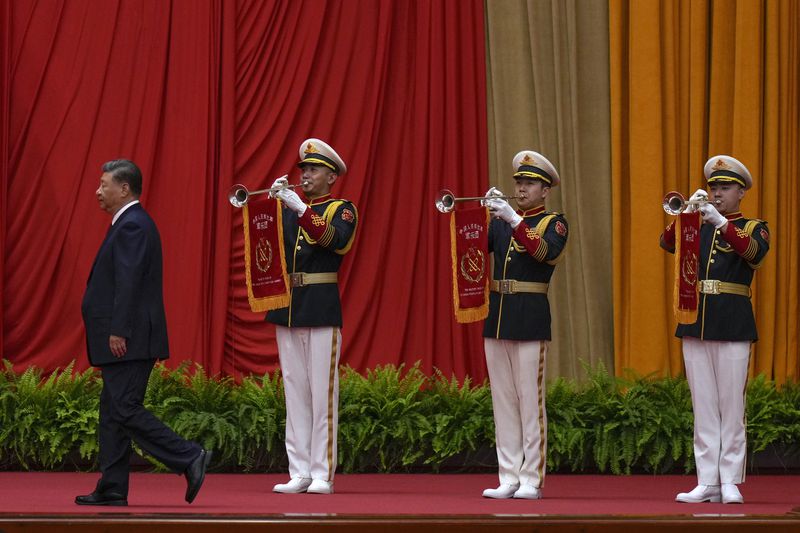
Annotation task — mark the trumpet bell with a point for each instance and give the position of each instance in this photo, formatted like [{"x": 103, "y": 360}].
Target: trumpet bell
[
  {"x": 674, "y": 203},
  {"x": 238, "y": 195},
  {"x": 446, "y": 201}
]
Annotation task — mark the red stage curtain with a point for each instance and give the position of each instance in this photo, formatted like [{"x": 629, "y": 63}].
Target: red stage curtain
[{"x": 206, "y": 93}]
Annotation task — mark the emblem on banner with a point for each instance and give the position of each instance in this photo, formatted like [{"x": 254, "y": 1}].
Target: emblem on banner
[
  {"x": 689, "y": 269},
  {"x": 473, "y": 265},
  {"x": 263, "y": 255}
]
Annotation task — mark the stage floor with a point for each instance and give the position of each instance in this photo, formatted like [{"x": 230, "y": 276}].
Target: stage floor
[{"x": 34, "y": 493}]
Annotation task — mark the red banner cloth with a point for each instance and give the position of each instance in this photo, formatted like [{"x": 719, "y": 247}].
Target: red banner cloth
[
  {"x": 687, "y": 254},
  {"x": 264, "y": 260},
  {"x": 469, "y": 248}
]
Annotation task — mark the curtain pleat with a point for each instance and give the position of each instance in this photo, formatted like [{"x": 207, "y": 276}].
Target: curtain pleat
[
  {"x": 547, "y": 87},
  {"x": 5, "y": 110},
  {"x": 203, "y": 94}
]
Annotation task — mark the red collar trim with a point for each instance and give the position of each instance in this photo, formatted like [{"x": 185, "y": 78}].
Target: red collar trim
[
  {"x": 531, "y": 212},
  {"x": 734, "y": 216},
  {"x": 320, "y": 200}
]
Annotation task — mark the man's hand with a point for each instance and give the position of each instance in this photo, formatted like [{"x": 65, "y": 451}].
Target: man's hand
[
  {"x": 502, "y": 210},
  {"x": 279, "y": 183},
  {"x": 712, "y": 216},
  {"x": 698, "y": 195},
  {"x": 118, "y": 345},
  {"x": 292, "y": 201},
  {"x": 494, "y": 192}
]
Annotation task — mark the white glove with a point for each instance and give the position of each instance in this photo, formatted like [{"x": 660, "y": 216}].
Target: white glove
[
  {"x": 712, "y": 216},
  {"x": 494, "y": 191},
  {"x": 292, "y": 201},
  {"x": 698, "y": 195},
  {"x": 491, "y": 193},
  {"x": 503, "y": 210},
  {"x": 279, "y": 184}
]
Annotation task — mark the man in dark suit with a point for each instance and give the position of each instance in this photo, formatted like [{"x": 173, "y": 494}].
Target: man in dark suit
[{"x": 126, "y": 332}]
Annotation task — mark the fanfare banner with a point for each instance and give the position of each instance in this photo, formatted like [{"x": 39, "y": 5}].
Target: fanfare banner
[
  {"x": 687, "y": 257},
  {"x": 469, "y": 247},
  {"x": 264, "y": 260}
]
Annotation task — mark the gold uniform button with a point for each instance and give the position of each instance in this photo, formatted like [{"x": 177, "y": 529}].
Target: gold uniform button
[
  {"x": 713, "y": 251},
  {"x": 508, "y": 259},
  {"x": 300, "y": 248},
  {"x": 711, "y": 261},
  {"x": 300, "y": 237}
]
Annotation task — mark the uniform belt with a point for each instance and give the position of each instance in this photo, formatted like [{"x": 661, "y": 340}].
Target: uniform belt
[
  {"x": 715, "y": 286},
  {"x": 301, "y": 279},
  {"x": 512, "y": 286}
]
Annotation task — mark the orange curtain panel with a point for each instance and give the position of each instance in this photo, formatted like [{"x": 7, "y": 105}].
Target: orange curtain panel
[{"x": 690, "y": 79}]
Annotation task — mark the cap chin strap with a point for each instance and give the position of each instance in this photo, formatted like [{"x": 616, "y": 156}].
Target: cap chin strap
[{"x": 726, "y": 176}]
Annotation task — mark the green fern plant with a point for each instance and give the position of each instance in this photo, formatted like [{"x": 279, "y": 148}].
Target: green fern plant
[
  {"x": 391, "y": 419},
  {"x": 461, "y": 416},
  {"x": 261, "y": 420},
  {"x": 380, "y": 417}
]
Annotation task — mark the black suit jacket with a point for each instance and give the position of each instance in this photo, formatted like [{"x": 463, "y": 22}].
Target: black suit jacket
[{"x": 124, "y": 293}]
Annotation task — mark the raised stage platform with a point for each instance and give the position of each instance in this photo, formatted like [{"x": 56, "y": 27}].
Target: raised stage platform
[{"x": 393, "y": 502}]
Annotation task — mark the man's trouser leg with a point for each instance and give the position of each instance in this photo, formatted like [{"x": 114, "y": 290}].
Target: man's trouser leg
[
  {"x": 733, "y": 359},
  {"x": 293, "y": 355},
  {"x": 123, "y": 413},
  {"x": 516, "y": 374},
  {"x": 530, "y": 375},
  {"x": 717, "y": 375},
  {"x": 325, "y": 347}
]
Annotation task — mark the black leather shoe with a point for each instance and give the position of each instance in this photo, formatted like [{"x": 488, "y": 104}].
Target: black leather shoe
[
  {"x": 196, "y": 474},
  {"x": 106, "y": 498}
]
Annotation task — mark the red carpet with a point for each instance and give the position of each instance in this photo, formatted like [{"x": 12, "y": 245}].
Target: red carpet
[{"x": 393, "y": 494}]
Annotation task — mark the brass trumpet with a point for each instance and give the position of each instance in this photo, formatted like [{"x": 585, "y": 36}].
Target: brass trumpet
[
  {"x": 238, "y": 195},
  {"x": 446, "y": 201},
  {"x": 675, "y": 203}
]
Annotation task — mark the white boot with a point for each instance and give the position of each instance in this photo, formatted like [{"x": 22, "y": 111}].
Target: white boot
[
  {"x": 502, "y": 492},
  {"x": 528, "y": 492},
  {"x": 295, "y": 485},
  {"x": 700, "y": 494},
  {"x": 320, "y": 486},
  {"x": 731, "y": 494}
]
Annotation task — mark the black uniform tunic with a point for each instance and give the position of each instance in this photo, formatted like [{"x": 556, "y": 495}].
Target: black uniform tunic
[
  {"x": 728, "y": 317},
  {"x": 319, "y": 304},
  {"x": 523, "y": 316}
]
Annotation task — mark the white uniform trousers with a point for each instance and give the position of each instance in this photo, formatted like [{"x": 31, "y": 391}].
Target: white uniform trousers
[
  {"x": 309, "y": 360},
  {"x": 516, "y": 375},
  {"x": 717, "y": 375}
]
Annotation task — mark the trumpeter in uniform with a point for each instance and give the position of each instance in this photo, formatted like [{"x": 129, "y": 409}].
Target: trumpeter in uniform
[
  {"x": 526, "y": 244},
  {"x": 317, "y": 233},
  {"x": 716, "y": 348}
]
